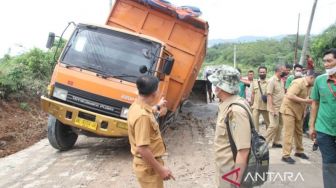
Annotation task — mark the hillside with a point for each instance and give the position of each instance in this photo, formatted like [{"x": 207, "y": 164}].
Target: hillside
[
  {"x": 243, "y": 39},
  {"x": 268, "y": 51}
]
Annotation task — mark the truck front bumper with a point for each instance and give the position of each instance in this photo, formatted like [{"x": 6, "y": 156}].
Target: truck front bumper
[{"x": 76, "y": 117}]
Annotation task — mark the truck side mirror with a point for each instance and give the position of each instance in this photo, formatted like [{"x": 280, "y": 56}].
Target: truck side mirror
[
  {"x": 143, "y": 69},
  {"x": 51, "y": 39},
  {"x": 168, "y": 66}
]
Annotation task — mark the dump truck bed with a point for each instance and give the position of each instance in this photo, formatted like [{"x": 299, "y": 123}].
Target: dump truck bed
[{"x": 185, "y": 38}]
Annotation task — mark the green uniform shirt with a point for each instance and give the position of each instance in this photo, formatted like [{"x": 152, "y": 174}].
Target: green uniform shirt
[
  {"x": 289, "y": 81},
  {"x": 326, "y": 118},
  {"x": 242, "y": 88}
]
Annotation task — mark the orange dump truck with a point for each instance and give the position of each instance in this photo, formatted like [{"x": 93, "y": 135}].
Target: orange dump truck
[{"x": 93, "y": 83}]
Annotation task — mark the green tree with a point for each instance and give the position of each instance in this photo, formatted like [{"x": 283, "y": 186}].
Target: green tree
[{"x": 321, "y": 43}]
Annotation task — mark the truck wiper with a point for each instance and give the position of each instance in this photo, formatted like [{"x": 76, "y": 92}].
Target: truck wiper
[
  {"x": 124, "y": 75},
  {"x": 97, "y": 71},
  {"x": 72, "y": 65}
]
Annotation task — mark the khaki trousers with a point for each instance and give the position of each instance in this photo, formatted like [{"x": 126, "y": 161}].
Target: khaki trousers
[
  {"x": 256, "y": 115},
  {"x": 274, "y": 130},
  {"x": 146, "y": 175},
  {"x": 292, "y": 131}
]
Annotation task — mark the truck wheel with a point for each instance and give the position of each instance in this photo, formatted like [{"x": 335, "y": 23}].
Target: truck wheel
[{"x": 60, "y": 136}]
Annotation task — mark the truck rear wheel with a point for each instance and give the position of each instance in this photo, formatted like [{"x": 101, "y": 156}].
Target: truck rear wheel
[{"x": 60, "y": 136}]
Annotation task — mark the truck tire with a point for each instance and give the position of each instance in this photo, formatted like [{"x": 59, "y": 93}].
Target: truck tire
[{"x": 60, "y": 136}]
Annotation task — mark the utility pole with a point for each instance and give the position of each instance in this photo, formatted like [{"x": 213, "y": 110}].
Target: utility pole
[
  {"x": 306, "y": 40},
  {"x": 234, "y": 56},
  {"x": 297, "y": 41}
]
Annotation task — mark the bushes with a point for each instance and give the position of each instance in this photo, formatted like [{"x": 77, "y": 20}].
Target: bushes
[
  {"x": 11, "y": 79},
  {"x": 27, "y": 75}
]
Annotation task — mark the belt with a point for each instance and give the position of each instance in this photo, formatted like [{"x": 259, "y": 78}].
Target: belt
[{"x": 159, "y": 157}]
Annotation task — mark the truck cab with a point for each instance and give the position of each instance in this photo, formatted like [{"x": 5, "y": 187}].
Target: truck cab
[{"x": 93, "y": 83}]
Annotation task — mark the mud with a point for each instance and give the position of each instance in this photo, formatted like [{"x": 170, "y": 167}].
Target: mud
[{"x": 22, "y": 124}]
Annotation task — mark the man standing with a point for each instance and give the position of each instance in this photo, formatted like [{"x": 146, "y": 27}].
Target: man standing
[
  {"x": 310, "y": 62},
  {"x": 144, "y": 134},
  {"x": 208, "y": 85},
  {"x": 323, "y": 118},
  {"x": 297, "y": 74},
  {"x": 275, "y": 94},
  {"x": 286, "y": 73},
  {"x": 242, "y": 85},
  {"x": 226, "y": 87},
  {"x": 248, "y": 91},
  {"x": 292, "y": 112},
  {"x": 259, "y": 98}
]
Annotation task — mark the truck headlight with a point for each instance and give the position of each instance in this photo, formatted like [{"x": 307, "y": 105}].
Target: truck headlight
[
  {"x": 124, "y": 112},
  {"x": 50, "y": 90},
  {"x": 60, "y": 93}
]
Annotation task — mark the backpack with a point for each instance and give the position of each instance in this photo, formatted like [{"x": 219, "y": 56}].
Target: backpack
[{"x": 258, "y": 162}]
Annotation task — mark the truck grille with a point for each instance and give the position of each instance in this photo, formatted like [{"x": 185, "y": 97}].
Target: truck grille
[{"x": 92, "y": 102}]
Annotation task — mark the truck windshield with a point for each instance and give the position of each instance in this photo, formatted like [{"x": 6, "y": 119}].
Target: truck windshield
[{"x": 109, "y": 52}]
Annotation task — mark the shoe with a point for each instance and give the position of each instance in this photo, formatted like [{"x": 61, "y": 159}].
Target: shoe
[
  {"x": 276, "y": 146},
  {"x": 301, "y": 155},
  {"x": 288, "y": 160}
]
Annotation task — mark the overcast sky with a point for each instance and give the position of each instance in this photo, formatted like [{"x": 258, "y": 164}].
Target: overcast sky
[{"x": 27, "y": 22}]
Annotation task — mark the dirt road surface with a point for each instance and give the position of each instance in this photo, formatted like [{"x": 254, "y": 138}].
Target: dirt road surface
[{"x": 97, "y": 162}]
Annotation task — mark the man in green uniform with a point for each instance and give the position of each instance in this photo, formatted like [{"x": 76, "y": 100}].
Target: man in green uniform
[
  {"x": 225, "y": 82},
  {"x": 297, "y": 74},
  {"x": 292, "y": 112},
  {"x": 242, "y": 86},
  {"x": 323, "y": 117},
  {"x": 144, "y": 134}
]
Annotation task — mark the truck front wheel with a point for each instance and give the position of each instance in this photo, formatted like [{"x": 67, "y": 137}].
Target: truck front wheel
[{"x": 60, "y": 136}]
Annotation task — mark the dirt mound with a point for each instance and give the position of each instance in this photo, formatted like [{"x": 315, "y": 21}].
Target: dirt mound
[{"x": 21, "y": 125}]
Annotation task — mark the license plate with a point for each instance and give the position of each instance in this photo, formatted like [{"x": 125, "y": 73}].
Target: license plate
[
  {"x": 86, "y": 123},
  {"x": 122, "y": 126}
]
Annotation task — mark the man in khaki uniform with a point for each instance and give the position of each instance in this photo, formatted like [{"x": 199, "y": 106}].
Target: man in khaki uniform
[
  {"x": 144, "y": 134},
  {"x": 258, "y": 104},
  {"x": 275, "y": 94},
  {"x": 225, "y": 82},
  {"x": 292, "y": 111}
]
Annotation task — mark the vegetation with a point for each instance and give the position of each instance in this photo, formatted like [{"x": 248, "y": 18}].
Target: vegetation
[
  {"x": 323, "y": 42},
  {"x": 26, "y": 75},
  {"x": 271, "y": 52}
]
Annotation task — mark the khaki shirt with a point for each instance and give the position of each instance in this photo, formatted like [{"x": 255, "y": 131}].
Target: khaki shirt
[
  {"x": 143, "y": 129},
  {"x": 258, "y": 103},
  {"x": 240, "y": 130},
  {"x": 300, "y": 88},
  {"x": 276, "y": 89}
]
